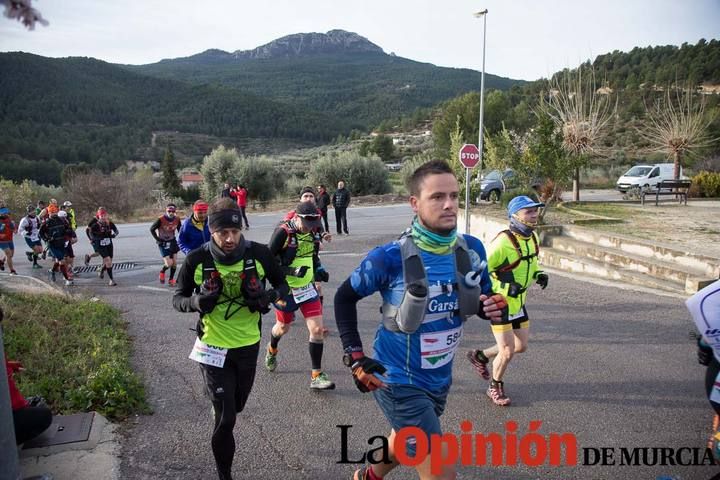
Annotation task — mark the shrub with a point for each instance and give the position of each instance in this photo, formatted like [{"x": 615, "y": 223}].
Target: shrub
[
  {"x": 362, "y": 176},
  {"x": 705, "y": 184}
]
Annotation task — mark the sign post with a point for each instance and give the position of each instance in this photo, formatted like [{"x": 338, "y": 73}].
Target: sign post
[{"x": 469, "y": 157}]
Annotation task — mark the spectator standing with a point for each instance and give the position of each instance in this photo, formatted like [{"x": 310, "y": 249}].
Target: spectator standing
[
  {"x": 323, "y": 201},
  {"x": 225, "y": 191},
  {"x": 341, "y": 201},
  {"x": 240, "y": 194}
]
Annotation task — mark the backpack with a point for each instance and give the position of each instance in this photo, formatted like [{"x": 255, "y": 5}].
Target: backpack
[
  {"x": 414, "y": 273},
  {"x": 512, "y": 266}
]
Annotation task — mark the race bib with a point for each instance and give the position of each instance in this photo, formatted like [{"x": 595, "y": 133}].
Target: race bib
[
  {"x": 204, "y": 353},
  {"x": 167, "y": 245},
  {"x": 438, "y": 348},
  {"x": 303, "y": 294},
  {"x": 104, "y": 242}
]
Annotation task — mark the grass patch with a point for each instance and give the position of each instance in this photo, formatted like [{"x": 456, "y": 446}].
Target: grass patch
[
  {"x": 76, "y": 354},
  {"x": 606, "y": 210}
]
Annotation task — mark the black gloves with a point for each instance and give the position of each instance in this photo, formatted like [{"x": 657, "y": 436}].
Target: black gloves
[
  {"x": 362, "y": 371},
  {"x": 210, "y": 290},
  {"x": 542, "y": 279},
  {"x": 705, "y": 352},
  {"x": 321, "y": 275},
  {"x": 514, "y": 289},
  {"x": 265, "y": 299}
]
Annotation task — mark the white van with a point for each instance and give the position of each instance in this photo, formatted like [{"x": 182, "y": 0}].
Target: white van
[{"x": 646, "y": 176}]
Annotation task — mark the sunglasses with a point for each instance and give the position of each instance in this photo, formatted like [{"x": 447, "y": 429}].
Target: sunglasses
[{"x": 309, "y": 217}]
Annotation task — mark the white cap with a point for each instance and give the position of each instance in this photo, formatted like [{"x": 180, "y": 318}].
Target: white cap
[
  {"x": 67, "y": 203},
  {"x": 62, "y": 214}
]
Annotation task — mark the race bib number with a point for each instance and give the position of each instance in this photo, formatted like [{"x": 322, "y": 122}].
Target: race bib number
[
  {"x": 167, "y": 245},
  {"x": 203, "y": 353},
  {"x": 104, "y": 242},
  {"x": 303, "y": 294},
  {"x": 438, "y": 348}
]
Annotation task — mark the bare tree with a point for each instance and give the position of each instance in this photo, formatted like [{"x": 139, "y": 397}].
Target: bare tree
[
  {"x": 679, "y": 126},
  {"x": 23, "y": 11},
  {"x": 582, "y": 113},
  {"x": 122, "y": 193}
]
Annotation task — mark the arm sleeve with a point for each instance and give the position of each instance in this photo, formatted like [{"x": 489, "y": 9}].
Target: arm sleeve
[
  {"x": 182, "y": 300},
  {"x": 272, "y": 269},
  {"x": 181, "y": 238},
  {"x": 154, "y": 227},
  {"x": 346, "y": 316},
  {"x": 277, "y": 241},
  {"x": 114, "y": 228}
]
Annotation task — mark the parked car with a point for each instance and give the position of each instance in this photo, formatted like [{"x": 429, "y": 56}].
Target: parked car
[
  {"x": 646, "y": 176},
  {"x": 494, "y": 183}
]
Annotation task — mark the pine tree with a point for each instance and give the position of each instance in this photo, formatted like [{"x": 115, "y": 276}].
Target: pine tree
[{"x": 170, "y": 180}]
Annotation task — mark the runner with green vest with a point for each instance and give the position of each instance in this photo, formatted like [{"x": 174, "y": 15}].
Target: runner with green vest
[
  {"x": 513, "y": 263},
  {"x": 223, "y": 281},
  {"x": 295, "y": 245}
]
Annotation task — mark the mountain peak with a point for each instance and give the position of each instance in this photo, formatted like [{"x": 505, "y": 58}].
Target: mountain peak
[{"x": 300, "y": 44}]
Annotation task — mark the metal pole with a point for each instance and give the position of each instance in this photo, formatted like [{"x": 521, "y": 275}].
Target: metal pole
[
  {"x": 480, "y": 124},
  {"x": 467, "y": 201},
  {"x": 482, "y": 91},
  {"x": 8, "y": 449}
]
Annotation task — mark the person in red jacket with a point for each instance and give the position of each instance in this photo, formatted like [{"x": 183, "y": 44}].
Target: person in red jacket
[
  {"x": 240, "y": 194},
  {"x": 30, "y": 418}
]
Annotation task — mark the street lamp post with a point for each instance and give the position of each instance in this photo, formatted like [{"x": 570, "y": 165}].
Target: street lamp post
[{"x": 482, "y": 14}]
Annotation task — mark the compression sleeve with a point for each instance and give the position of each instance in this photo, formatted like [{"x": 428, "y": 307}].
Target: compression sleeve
[
  {"x": 154, "y": 227},
  {"x": 182, "y": 299},
  {"x": 346, "y": 299},
  {"x": 277, "y": 241}
]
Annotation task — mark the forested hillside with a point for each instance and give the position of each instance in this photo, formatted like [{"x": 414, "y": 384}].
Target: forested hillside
[
  {"x": 361, "y": 87},
  {"x": 632, "y": 80},
  {"x": 61, "y": 111}
]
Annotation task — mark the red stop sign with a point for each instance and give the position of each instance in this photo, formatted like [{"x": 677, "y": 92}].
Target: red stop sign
[{"x": 469, "y": 155}]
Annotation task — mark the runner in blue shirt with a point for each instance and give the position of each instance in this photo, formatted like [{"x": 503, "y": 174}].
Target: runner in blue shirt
[{"x": 422, "y": 321}]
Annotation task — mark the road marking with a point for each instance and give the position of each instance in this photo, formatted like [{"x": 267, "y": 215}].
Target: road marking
[{"x": 156, "y": 289}]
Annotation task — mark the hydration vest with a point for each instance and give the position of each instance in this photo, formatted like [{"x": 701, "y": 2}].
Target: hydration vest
[
  {"x": 290, "y": 251},
  {"x": 407, "y": 318},
  {"x": 251, "y": 286}
]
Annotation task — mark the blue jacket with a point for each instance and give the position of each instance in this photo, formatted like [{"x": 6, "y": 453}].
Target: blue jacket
[{"x": 191, "y": 237}]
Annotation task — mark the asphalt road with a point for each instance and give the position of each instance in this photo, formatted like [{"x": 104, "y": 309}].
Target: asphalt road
[{"x": 609, "y": 365}]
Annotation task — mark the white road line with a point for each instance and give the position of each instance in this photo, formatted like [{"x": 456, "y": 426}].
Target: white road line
[{"x": 156, "y": 289}]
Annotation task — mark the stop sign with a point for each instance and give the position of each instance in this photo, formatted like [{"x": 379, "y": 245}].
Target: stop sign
[{"x": 469, "y": 155}]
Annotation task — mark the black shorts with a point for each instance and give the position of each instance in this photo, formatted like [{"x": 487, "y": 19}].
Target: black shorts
[
  {"x": 105, "y": 250},
  {"x": 235, "y": 378}
]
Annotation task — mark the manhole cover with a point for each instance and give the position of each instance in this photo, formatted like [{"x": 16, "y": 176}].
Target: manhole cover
[
  {"x": 95, "y": 268},
  {"x": 64, "y": 429}
]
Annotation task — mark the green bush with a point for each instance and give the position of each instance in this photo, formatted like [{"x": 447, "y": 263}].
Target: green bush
[
  {"x": 706, "y": 184},
  {"x": 362, "y": 175},
  {"x": 76, "y": 354}
]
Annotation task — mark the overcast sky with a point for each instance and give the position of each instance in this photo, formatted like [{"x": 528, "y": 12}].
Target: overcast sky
[{"x": 526, "y": 39}]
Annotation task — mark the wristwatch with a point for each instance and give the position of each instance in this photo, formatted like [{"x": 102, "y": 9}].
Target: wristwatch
[{"x": 349, "y": 358}]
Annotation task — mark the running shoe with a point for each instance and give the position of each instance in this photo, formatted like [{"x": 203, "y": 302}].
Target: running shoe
[
  {"x": 13, "y": 272},
  {"x": 2, "y": 265},
  {"x": 322, "y": 382},
  {"x": 496, "y": 392},
  {"x": 172, "y": 282},
  {"x": 87, "y": 259},
  {"x": 35, "y": 265},
  {"x": 29, "y": 256},
  {"x": 44, "y": 254},
  {"x": 69, "y": 283},
  {"x": 270, "y": 360},
  {"x": 162, "y": 277},
  {"x": 480, "y": 366},
  {"x": 52, "y": 274},
  {"x": 112, "y": 283}
]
